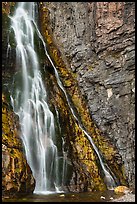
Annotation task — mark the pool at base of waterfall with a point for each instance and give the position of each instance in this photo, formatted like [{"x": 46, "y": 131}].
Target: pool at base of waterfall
[{"x": 104, "y": 196}]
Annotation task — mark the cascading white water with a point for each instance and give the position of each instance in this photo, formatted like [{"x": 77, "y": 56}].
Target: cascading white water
[{"x": 30, "y": 103}]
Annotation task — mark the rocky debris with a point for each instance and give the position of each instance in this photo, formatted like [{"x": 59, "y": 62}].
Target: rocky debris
[{"x": 124, "y": 198}]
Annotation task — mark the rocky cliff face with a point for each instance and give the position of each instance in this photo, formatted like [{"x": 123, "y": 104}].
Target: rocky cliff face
[
  {"x": 97, "y": 43},
  {"x": 16, "y": 173}
]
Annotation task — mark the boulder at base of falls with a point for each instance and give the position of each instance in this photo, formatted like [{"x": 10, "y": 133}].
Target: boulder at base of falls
[{"x": 122, "y": 189}]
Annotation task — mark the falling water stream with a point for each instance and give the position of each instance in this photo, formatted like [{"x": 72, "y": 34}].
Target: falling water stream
[{"x": 30, "y": 103}]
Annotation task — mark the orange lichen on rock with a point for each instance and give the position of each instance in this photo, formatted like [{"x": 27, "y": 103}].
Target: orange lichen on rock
[
  {"x": 16, "y": 174},
  {"x": 122, "y": 189},
  {"x": 6, "y": 7}
]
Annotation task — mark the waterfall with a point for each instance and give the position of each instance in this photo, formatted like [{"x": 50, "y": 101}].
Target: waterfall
[{"x": 30, "y": 103}]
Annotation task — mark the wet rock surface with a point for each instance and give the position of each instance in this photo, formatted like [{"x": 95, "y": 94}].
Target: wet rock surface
[
  {"x": 81, "y": 155},
  {"x": 97, "y": 41},
  {"x": 16, "y": 173}
]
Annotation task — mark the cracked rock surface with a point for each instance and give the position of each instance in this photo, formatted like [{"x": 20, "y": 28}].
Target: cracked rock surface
[{"x": 97, "y": 40}]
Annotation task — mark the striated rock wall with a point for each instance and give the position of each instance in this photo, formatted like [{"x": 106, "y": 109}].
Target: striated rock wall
[
  {"x": 77, "y": 142},
  {"x": 97, "y": 43}
]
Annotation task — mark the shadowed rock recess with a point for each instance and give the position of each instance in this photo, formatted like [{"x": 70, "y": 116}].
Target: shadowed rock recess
[{"x": 92, "y": 47}]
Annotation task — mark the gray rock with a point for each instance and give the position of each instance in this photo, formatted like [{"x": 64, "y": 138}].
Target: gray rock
[{"x": 98, "y": 40}]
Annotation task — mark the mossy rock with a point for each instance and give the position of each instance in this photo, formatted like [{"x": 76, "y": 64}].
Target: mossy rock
[
  {"x": 77, "y": 138},
  {"x": 16, "y": 173}
]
